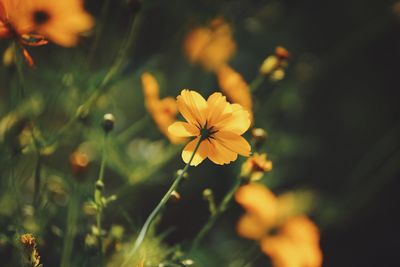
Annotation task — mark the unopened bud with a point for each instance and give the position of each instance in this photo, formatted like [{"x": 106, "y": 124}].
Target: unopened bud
[
  {"x": 108, "y": 122},
  {"x": 259, "y": 136},
  {"x": 180, "y": 171},
  {"x": 99, "y": 185},
  {"x": 175, "y": 196},
  {"x": 207, "y": 193},
  {"x": 282, "y": 52}
]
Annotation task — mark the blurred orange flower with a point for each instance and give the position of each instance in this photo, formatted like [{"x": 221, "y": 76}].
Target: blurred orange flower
[
  {"x": 210, "y": 46},
  {"x": 217, "y": 124},
  {"x": 60, "y": 21},
  {"x": 31, "y": 22},
  {"x": 163, "y": 111},
  {"x": 234, "y": 87},
  {"x": 296, "y": 242},
  {"x": 261, "y": 210},
  {"x": 255, "y": 167}
]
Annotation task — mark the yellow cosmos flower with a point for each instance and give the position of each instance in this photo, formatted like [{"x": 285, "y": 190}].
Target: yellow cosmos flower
[
  {"x": 163, "y": 111},
  {"x": 255, "y": 167},
  {"x": 234, "y": 87},
  {"x": 296, "y": 241},
  {"x": 261, "y": 207},
  {"x": 210, "y": 46},
  {"x": 217, "y": 124},
  {"x": 60, "y": 21},
  {"x": 295, "y": 245}
]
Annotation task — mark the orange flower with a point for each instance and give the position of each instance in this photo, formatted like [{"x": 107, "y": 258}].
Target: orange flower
[
  {"x": 163, "y": 111},
  {"x": 30, "y": 22},
  {"x": 255, "y": 167},
  {"x": 296, "y": 243},
  {"x": 217, "y": 124},
  {"x": 235, "y": 87},
  {"x": 261, "y": 207},
  {"x": 210, "y": 46},
  {"x": 60, "y": 21}
]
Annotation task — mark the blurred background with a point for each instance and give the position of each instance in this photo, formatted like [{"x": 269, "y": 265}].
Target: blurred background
[{"x": 333, "y": 125}]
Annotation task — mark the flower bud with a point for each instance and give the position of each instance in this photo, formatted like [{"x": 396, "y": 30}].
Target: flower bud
[
  {"x": 108, "y": 122},
  {"x": 175, "y": 196},
  {"x": 99, "y": 185}
]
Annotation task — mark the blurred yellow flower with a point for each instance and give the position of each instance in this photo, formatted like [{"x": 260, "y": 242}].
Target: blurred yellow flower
[
  {"x": 255, "y": 167},
  {"x": 210, "y": 46},
  {"x": 216, "y": 123},
  {"x": 163, "y": 111},
  {"x": 295, "y": 245},
  {"x": 234, "y": 87},
  {"x": 296, "y": 242},
  {"x": 60, "y": 21},
  {"x": 274, "y": 65},
  {"x": 261, "y": 210}
]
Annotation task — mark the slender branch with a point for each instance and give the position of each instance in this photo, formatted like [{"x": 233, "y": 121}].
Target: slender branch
[
  {"x": 161, "y": 204},
  {"x": 214, "y": 216},
  {"x": 256, "y": 83},
  {"x": 98, "y": 198}
]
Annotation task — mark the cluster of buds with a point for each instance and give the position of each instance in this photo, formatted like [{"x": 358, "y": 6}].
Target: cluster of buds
[
  {"x": 274, "y": 65},
  {"x": 254, "y": 167}
]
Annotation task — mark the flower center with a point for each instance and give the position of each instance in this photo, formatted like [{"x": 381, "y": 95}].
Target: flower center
[
  {"x": 207, "y": 132},
  {"x": 40, "y": 17}
]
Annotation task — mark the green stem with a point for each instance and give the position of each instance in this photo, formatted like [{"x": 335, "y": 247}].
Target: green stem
[
  {"x": 214, "y": 216},
  {"x": 98, "y": 198},
  {"x": 37, "y": 181},
  {"x": 132, "y": 130},
  {"x": 256, "y": 83},
  {"x": 99, "y": 30},
  {"x": 71, "y": 229},
  {"x": 161, "y": 204}
]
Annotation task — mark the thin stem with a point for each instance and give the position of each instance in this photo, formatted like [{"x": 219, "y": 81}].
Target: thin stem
[
  {"x": 99, "y": 30},
  {"x": 256, "y": 83},
  {"x": 37, "y": 173},
  {"x": 72, "y": 217},
  {"x": 161, "y": 204},
  {"x": 37, "y": 181},
  {"x": 132, "y": 129},
  {"x": 98, "y": 198},
  {"x": 214, "y": 216}
]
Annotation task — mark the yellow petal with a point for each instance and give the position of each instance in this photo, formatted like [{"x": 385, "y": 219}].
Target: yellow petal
[
  {"x": 150, "y": 86},
  {"x": 200, "y": 155},
  {"x": 218, "y": 108},
  {"x": 259, "y": 201},
  {"x": 250, "y": 227},
  {"x": 238, "y": 123},
  {"x": 183, "y": 129},
  {"x": 193, "y": 107},
  {"x": 220, "y": 154},
  {"x": 233, "y": 142}
]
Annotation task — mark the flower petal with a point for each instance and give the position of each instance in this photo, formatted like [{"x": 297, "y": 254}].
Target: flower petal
[
  {"x": 193, "y": 107},
  {"x": 238, "y": 123},
  {"x": 218, "y": 108},
  {"x": 220, "y": 154},
  {"x": 200, "y": 155},
  {"x": 233, "y": 142},
  {"x": 183, "y": 129},
  {"x": 250, "y": 227}
]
